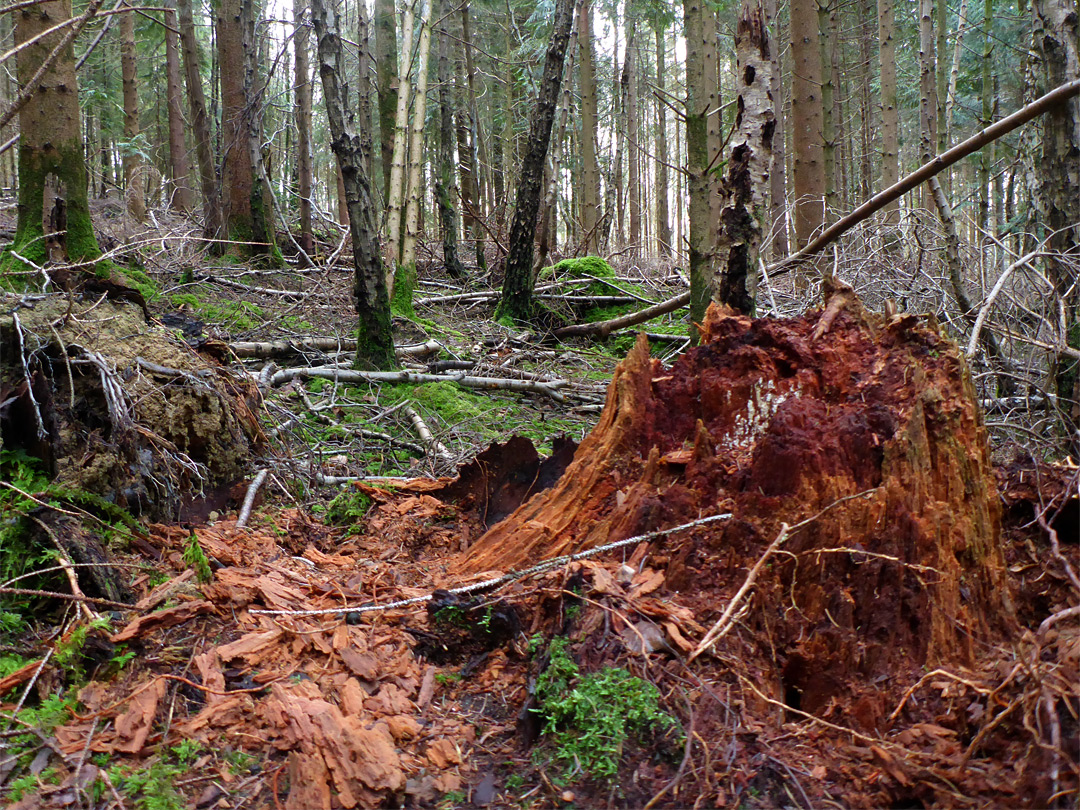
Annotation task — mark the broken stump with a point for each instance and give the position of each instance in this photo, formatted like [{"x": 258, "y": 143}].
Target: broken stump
[{"x": 775, "y": 424}]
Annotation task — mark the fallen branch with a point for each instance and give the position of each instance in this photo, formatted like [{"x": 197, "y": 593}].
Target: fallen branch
[
  {"x": 605, "y": 328},
  {"x": 354, "y": 376},
  {"x": 249, "y": 498},
  {"x": 288, "y": 348},
  {"x": 928, "y": 170},
  {"x": 424, "y": 432}
]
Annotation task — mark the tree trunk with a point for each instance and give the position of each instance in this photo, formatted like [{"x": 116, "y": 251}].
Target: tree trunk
[
  {"x": 701, "y": 242},
  {"x": 1055, "y": 29},
  {"x": 416, "y": 150},
  {"x": 517, "y": 300},
  {"x": 777, "y": 173},
  {"x": 714, "y": 123},
  {"x": 50, "y": 141},
  {"x": 182, "y": 198},
  {"x": 927, "y": 91},
  {"x": 745, "y": 187},
  {"x": 245, "y": 212},
  {"x": 890, "y": 113},
  {"x": 590, "y": 167},
  {"x": 633, "y": 151},
  {"x": 133, "y": 175},
  {"x": 806, "y": 113},
  {"x": 200, "y": 122},
  {"x": 481, "y": 163},
  {"x": 364, "y": 91},
  {"x": 375, "y": 343},
  {"x": 826, "y": 17},
  {"x": 986, "y": 156},
  {"x": 444, "y": 184},
  {"x": 386, "y": 56},
  {"x": 663, "y": 216},
  {"x": 395, "y": 192},
  {"x": 302, "y": 91}
]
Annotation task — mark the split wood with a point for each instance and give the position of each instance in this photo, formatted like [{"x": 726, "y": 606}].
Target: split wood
[
  {"x": 355, "y": 376},
  {"x": 512, "y": 576}
]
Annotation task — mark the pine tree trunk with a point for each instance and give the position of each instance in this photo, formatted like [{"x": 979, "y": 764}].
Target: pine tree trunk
[
  {"x": 701, "y": 244},
  {"x": 386, "y": 50},
  {"x": 200, "y": 124},
  {"x": 444, "y": 184},
  {"x": 416, "y": 144},
  {"x": 890, "y": 113},
  {"x": 133, "y": 174},
  {"x": 826, "y": 14},
  {"x": 806, "y": 112},
  {"x": 590, "y": 167},
  {"x": 1057, "y": 39},
  {"x": 777, "y": 173},
  {"x": 481, "y": 163},
  {"x": 375, "y": 339},
  {"x": 50, "y": 141},
  {"x": 517, "y": 300},
  {"x": 986, "y": 155},
  {"x": 364, "y": 91},
  {"x": 633, "y": 151},
  {"x": 395, "y": 195},
  {"x": 927, "y": 91},
  {"x": 470, "y": 192},
  {"x": 182, "y": 198},
  {"x": 302, "y": 91},
  {"x": 663, "y": 216}
]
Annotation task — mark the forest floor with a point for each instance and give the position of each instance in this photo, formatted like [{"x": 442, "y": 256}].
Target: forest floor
[{"x": 330, "y": 653}]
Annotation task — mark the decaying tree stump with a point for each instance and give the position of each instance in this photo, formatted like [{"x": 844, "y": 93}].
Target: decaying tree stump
[{"x": 774, "y": 421}]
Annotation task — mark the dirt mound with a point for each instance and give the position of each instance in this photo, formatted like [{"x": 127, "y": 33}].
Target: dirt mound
[
  {"x": 871, "y": 430},
  {"x": 120, "y": 407}
]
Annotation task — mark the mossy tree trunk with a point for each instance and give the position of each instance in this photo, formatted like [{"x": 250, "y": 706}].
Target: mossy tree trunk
[
  {"x": 51, "y": 141},
  {"x": 375, "y": 339},
  {"x": 517, "y": 300}
]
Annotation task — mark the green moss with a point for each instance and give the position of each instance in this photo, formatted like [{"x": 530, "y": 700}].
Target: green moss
[
  {"x": 137, "y": 278},
  {"x": 590, "y": 717},
  {"x": 401, "y": 303},
  {"x": 348, "y": 508},
  {"x": 235, "y": 316}
]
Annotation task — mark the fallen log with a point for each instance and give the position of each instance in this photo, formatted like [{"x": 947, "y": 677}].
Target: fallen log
[
  {"x": 605, "y": 328},
  {"x": 348, "y": 375}
]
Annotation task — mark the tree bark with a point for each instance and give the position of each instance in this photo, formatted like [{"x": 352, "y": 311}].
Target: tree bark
[
  {"x": 1055, "y": 29},
  {"x": 182, "y": 198},
  {"x": 416, "y": 146},
  {"x": 302, "y": 91},
  {"x": 826, "y": 17},
  {"x": 590, "y": 167},
  {"x": 633, "y": 150},
  {"x": 395, "y": 192},
  {"x": 806, "y": 113},
  {"x": 778, "y": 173},
  {"x": 444, "y": 184},
  {"x": 385, "y": 21},
  {"x": 200, "y": 121},
  {"x": 663, "y": 216},
  {"x": 375, "y": 340},
  {"x": 701, "y": 241},
  {"x": 517, "y": 300},
  {"x": 50, "y": 139},
  {"x": 745, "y": 187},
  {"x": 890, "y": 113},
  {"x": 133, "y": 174}
]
